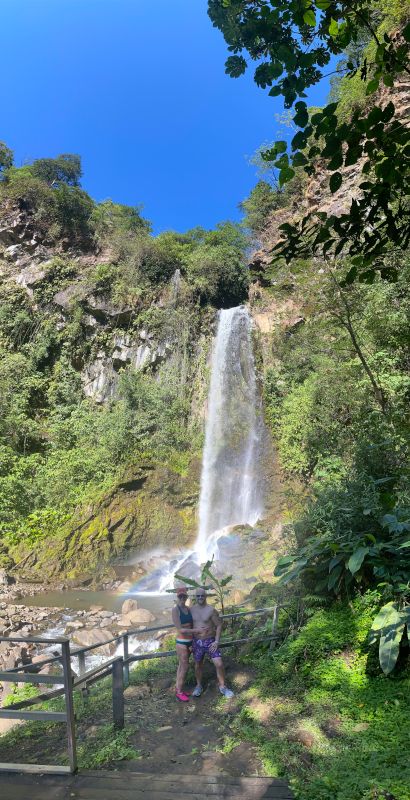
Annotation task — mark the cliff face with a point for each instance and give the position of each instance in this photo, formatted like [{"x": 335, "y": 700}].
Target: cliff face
[
  {"x": 102, "y": 336},
  {"x": 62, "y": 281},
  {"x": 316, "y": 196}
]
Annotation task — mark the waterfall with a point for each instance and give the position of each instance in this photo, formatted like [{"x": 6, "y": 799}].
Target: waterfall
[
  {"x": 231, "y": 490},
  {"x": 230, "y": 486}
]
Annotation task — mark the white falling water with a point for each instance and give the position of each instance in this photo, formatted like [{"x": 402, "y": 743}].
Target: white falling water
[
  {"x": 230, "y": 486},
  {"x": 230, "y": 482}
]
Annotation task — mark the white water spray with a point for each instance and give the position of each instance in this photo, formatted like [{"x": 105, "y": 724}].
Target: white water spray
[
  {"x": 230, "y": 485},
  {"x": 231, "y": 492}
]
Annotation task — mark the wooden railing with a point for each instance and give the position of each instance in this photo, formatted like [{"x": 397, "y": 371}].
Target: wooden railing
[{"x": 118, "y": 666}]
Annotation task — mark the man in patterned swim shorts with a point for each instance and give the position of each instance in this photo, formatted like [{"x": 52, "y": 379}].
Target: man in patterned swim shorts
[{"x": 206, "y": 642}]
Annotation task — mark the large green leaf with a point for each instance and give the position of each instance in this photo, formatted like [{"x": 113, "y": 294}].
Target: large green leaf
[
  {"x": 389, "y": 647},
  {"x": 357, "y": 558},
  {"x": 334, "y": 577},
  {"x": 309, "y": 18},
  {"x": 188, "y": 581},
  {"x": 283, "y": 565},
  {"x": 386, "y": 614}
]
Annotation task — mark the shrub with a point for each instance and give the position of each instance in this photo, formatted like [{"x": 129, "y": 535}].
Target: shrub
[{"x": 218, "y": 275}]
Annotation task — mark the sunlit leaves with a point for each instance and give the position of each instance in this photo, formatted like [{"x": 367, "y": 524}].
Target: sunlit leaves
[
  {"x": 333, "y": 27},
  {"x": 389, "y": 625},
  {"x": 309, "y": 17}
]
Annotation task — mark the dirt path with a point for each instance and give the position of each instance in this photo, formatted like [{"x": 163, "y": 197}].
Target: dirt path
[
  {"x": 169, "y": 737},
  {"x": 188, "y": 737}
]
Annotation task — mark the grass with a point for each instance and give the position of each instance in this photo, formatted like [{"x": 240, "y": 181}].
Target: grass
[{"x": 322, "y": 716}]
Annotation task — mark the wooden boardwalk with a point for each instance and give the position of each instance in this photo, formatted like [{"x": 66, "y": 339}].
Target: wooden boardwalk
[{"x": 105, "y": 785}]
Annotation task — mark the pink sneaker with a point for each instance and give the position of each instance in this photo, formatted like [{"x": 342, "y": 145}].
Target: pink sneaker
[{"x": 182, "y": 697}]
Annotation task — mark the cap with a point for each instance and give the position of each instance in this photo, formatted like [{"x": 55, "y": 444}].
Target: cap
[{"x": 181, "y": 590}]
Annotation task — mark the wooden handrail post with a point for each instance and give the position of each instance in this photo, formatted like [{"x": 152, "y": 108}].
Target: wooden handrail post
[
  {"x": 81, "y": 670},
  {"x": 274, "y": 624},
  {"x": 118, "y": 693},
  {"x": 125, "y": 657},
  {"x": 69, "y": 704}
]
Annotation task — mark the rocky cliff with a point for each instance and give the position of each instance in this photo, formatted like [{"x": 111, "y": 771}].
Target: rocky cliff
[
  {"x": 99, "y": 336},
  {"x": 315, "y": 195}
]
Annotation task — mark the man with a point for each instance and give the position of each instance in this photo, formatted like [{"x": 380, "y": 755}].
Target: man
[{"x": 207, "y": 631}]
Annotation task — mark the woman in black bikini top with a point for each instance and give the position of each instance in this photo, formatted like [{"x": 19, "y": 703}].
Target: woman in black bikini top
[{"x": 182, "y": 619}]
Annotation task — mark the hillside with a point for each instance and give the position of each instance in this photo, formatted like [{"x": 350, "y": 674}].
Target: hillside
[{"x": 105, "y": 337}]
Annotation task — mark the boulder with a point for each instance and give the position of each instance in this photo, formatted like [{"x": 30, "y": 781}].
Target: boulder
[
  {"x": 105, "y": 623},
  {"x": 141, "y": 616},
  {"x": 129, "y": 605},
  {"x": 5, "y": 578},
  {"x": 74, "y": 625},
  {"x": 105, "y": 310},
  {"x": 124, "y": 587},
  {"x": 95, "y": 636},
  {"x": 31, "y": 275}
]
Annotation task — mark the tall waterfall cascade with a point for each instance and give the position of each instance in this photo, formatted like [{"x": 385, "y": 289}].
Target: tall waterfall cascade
[
  {"x": 231, "y": 480},
  {"x": 231, "y": 491}
]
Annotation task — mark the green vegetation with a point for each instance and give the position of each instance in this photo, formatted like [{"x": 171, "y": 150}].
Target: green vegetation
[
  {"x": 316, "y": 707},
  {"x": 293, "y": 43},
  {"x": 336, "y": 394},
  {"x": 59, "y": 451},
  {"x": 319, "y": 712},
  {"x": 98, "y": 743}
]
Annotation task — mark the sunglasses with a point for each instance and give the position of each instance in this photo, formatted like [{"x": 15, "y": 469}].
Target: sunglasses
[
  {"x": 198, "y": 596},
  {"x": 185, "y": 596}
]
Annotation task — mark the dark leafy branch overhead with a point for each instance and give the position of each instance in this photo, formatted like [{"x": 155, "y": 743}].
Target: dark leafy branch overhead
[{"x": 292, "y": 43}]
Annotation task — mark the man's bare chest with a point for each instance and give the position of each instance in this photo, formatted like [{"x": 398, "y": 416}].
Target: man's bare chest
[{"x": 202, "y": 614}]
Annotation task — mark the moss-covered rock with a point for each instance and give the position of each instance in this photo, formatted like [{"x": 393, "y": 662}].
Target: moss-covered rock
[{"x": 152, "y": 505}]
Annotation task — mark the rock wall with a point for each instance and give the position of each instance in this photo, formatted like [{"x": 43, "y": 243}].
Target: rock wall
[
  {"x": 316, "y": 195},
  {"x": 152, "y": 504}
]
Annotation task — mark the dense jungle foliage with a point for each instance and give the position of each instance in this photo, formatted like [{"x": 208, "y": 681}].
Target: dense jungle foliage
[
  {"x": 337, "y": 391},
  {"x": 292, "y": 44},
  {"x": 58, "y": 449}
]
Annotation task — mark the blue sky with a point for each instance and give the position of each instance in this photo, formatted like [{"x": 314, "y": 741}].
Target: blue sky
[{"x": 137, "y": 88}]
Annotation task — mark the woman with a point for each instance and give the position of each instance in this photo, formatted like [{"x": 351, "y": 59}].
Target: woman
[{"x": 182, "y": 619}]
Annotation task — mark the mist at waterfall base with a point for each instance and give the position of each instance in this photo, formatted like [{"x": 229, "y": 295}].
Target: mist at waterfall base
[{"x": 231, "y": 485}]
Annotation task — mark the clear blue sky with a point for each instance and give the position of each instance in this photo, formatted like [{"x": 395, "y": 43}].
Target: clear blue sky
[{"x": 137, "y": 88}]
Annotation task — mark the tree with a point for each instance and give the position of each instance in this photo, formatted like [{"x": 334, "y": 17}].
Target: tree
[
  {"x": 262, "y": 200},
  {"x": 292, "y": 43},
  {"x": 6, "y": 158},
  {"x": 66, "y": 169}
]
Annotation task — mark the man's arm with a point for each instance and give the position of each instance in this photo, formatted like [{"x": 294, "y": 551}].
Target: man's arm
[
  {"x": 217, "y": 621},
  {"x": 177, "y": 622}
]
